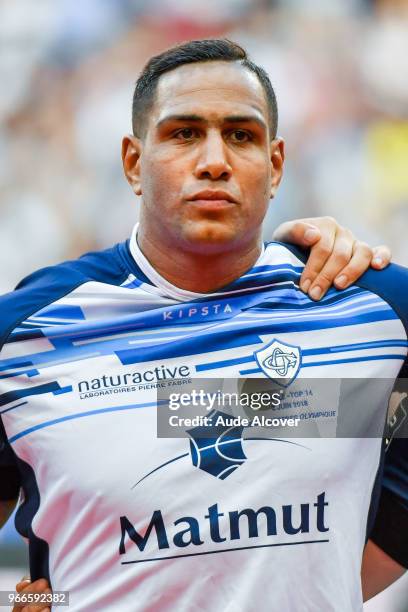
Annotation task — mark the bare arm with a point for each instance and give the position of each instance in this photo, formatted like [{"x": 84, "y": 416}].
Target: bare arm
[
  {"x": 6, "y": 510},
  {"x": 378, "y": 570}
]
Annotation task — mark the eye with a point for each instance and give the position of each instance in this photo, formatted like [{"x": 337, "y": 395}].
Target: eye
[
  {"x": 185, "y": 134},
  {"x": 240, "y": 136}
]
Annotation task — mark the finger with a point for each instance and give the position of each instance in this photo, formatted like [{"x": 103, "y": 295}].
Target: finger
[
  {"x": 360, "y": 261},
  {"x": 336, "y": 262},
  {"x": 20, "y": 588},
  {"x": 318, "y": 257},
  {"x": 25, "y": 581},
  {"x": 38, "y": 608},
  {"x": 38, "y": 586},
  {"x": 301, "y": 233},
  {"x": 381, "y": 257},
  {"x": 43, "y": 607}
]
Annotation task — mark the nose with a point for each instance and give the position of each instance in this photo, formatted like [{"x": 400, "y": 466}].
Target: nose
[{"x": 212, "y": 162}]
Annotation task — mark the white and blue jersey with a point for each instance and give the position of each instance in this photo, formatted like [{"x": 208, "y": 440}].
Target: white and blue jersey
[{"x": 125, "y": 520}]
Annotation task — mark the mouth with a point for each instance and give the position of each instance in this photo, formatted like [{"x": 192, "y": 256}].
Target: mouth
[{"x": 212, "y": 199}]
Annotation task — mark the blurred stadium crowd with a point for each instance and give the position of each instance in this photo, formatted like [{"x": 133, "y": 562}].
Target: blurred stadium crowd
[{"x": 68, "y": 70}]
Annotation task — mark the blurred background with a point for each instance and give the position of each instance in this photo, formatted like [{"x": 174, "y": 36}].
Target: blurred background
[{"x": 68, "y": 69}]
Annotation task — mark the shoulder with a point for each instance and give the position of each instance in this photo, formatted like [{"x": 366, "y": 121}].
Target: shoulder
[
  {"x": 391, "y": 285},
  {"x": 49, "y": 284}
]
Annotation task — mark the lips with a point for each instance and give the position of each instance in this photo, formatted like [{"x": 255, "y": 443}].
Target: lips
[{"x": 213, "y": 196}]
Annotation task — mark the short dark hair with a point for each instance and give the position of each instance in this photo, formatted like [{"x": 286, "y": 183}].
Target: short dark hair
[{"x": 192, "y": 52}]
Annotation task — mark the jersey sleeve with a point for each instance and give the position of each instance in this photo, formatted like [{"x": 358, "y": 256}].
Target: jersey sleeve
[
  {"x": 9, "y": 473},
  {"x": 33, "y": 293},
  {"x": 390, "y": 531}
]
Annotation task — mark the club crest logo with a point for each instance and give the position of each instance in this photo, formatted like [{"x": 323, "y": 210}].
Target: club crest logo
[
  {"x": 216, "y": 449},
  {"x": 279, "y": 361},
  {"x": 219, "y": 455}
]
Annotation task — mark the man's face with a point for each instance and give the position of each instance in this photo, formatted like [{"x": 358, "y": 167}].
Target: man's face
[{"x": 207, "y": 167}]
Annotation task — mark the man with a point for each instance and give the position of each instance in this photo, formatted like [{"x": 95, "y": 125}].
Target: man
[{"x": 133, "y": 522}]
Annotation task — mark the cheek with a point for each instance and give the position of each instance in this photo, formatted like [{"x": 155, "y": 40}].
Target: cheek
[
  {"x": 160, "y": 181},
  {"x": 257, "y": 184}
]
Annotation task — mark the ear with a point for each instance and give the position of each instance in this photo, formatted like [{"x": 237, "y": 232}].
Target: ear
[
  {"x": 277, "y": 160},
  {"x": 131, "y": 151}
]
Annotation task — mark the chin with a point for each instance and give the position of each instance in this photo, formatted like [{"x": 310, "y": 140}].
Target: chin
[{"x": 210, "y": 237}]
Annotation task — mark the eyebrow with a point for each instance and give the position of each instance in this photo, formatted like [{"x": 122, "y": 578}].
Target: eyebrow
[{"x": 198, "y": 119}]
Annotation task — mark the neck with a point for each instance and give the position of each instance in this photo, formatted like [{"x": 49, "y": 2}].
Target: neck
[{"x": 198, "y": 272}]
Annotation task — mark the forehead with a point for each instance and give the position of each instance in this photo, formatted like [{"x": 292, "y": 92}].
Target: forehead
[{"x": 210, "y": 89}]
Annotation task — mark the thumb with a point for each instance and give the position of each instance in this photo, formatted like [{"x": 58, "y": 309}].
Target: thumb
[{"x": 301, "y": 233}]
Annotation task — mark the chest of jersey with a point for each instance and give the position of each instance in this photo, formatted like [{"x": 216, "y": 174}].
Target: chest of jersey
[
  {"x": 88, "y": 394},
  {"x": 118, "y": 501}
]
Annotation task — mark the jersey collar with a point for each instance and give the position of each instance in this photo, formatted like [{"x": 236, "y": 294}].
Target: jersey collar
[{"x": 166, "y": 288}]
